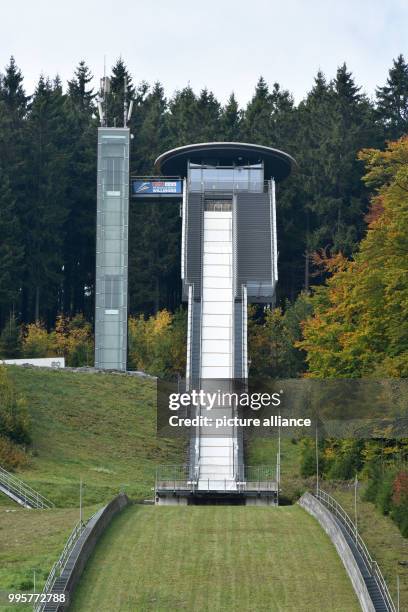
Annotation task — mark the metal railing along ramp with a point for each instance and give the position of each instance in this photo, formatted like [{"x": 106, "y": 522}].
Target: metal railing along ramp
[
  {"x": 21, "y": 492},
  {"x": 67, "y": 570},
  {"x": 369, "y": 568},
  {"x": 251, "y": 480}
]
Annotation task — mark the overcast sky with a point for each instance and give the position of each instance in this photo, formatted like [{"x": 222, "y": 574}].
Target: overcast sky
[{"x": 220, "y": 44}]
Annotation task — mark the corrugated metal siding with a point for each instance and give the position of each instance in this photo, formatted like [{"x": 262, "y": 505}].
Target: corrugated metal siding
[
  {"x": 194, "y": 233},
  {"x": 254, "y": 257},
  {"x": 238, "y": 340},
  {"x": 196, "y": 341}
]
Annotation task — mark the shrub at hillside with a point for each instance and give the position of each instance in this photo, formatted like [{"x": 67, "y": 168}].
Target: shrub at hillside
[
  {"x": 37, "y": 342},
  {"x": 388, "y": 490},
  {"x": 157, "y": 345},
  {"x": 272, "y": 337},
  {"x": 399, "y": 500},
  {"x": 72, "y": 339},
  {"x": 14, "y": 424}
]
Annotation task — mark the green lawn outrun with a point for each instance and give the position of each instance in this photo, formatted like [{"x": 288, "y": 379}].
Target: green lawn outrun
[{"x": 215, "y": 558}]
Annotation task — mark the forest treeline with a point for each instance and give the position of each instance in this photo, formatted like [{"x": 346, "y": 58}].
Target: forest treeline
[{"x": 48, "y": 180}]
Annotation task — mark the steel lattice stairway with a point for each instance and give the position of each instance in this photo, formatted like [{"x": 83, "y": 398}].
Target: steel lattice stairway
[{"x": 20, "y": 492}]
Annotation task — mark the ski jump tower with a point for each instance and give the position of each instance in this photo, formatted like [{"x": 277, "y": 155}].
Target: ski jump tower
[{"x": 229, "y": 259}]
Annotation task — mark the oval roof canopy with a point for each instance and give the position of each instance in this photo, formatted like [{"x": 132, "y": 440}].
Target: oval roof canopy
[{"x": 277, "y": 164}]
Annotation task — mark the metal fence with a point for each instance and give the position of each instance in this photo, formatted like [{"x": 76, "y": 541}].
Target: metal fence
[
  {"x": 176, "y": 478},
  {"x": 59, "y": 565},
  {"x": 25, "y": 494},
  {"x": 221, "y": 186},
  {"x": 247, "y": 478},
  {"x": 351, "y": 528}
]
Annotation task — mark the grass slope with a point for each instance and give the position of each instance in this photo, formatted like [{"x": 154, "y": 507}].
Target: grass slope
[
  {"x": 380, "y": 533},
  {"x": 98, "y": 427},
  {"x": 215, "y": 558},
  {"x": 383, "y": 540},
  {"x": 32, "y": 540}
]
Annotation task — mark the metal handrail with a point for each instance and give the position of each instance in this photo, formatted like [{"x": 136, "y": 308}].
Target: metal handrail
[
  {"x": 372, "y": 566},
  {"x": 22, "y": 490},
  {"x": 59, "y": 565},
  {"x": 223, "y": 186},
  {"x": 178, "y": 477},
  {"x": 154, "y": 177}
]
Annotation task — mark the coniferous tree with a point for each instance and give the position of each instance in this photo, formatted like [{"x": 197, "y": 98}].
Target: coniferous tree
[
  {"x": 10, "y": 339},
  {"x": 153, "y": 261},
  {"x": 46, "y": 193},
  {"x": 11, "y": 248},
  {"x": 79, "y": 228},
  {"x": 230, "y": 121},
  {"x": 336, "y": 122},
  {"x": 120, "y": 75},
  {"x": 151, "y": 134},
  {"x": 184, "y": 118},
  {"x": 48, "y": 168},
  {"x": 392, "y": 100},
  {"x": 257, "y": 118},
  {"x": 12, "y": 93},
  {"x": 209, "y": 110},
  {"x": 80, "y": 92},
  {"x": 15, "y": 163}
]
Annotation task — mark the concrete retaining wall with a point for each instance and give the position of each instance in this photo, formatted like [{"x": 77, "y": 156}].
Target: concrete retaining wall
[
  {"x": 326, "y": 520},
  {"x": 83, "y": 549}
]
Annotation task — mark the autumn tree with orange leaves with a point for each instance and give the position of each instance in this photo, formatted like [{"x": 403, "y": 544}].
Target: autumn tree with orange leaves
[{"x": 359, "y": 325}]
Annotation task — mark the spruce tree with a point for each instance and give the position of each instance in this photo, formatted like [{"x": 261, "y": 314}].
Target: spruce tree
[
  {"x": 119, "y": 76},
  {"x": 11, "y": 248},
  {"x": 184, "y": 118},
  {"x": 10, "y": 339},
  {"x": 46, "y": 198},
  {"x": 230, "y": 122},
  {"x": 336, "y": 121},
  {"x": 257, "y": 119},
  {"x": 81, "y": 94},
  {"x": 79, "y": 227},
  {"x": 151, "y": 135},
  {"x": 209, "y": 110},
  {"x": 12, "y": 93},
  {"x": 15, "y": 168},
  {"x": 392, "y": 100}
]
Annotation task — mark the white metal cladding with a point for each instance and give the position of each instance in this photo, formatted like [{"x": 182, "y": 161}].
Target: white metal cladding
[
  {"x": 112, "y": 249},
  {"x": 244, "y": 333},
  {"x": 183, "y": 229},
  {"x": 189, "y": 333},
  {"x": 217, "y": 301},
  {"x": 274, "y": 237},
  {"x": 216, "y": 455}
]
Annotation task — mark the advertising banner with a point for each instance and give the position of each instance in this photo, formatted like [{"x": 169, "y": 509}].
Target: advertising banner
[{"x": 142, "y": 187}]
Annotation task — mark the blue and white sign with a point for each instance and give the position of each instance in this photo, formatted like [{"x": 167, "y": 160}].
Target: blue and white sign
[{"x": 159, "y": 187}]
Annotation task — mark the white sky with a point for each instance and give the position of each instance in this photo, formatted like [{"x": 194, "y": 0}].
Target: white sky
[{"x": 222, "y": 44}]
